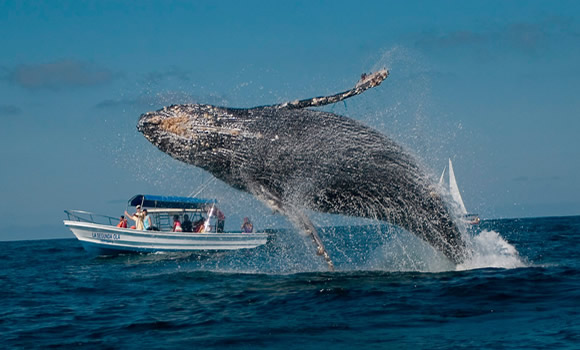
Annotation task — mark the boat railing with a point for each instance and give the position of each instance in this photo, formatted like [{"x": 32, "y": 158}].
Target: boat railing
[{"x": 86, "y": 216}]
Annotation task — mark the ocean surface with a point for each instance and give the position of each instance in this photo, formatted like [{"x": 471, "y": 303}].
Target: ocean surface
[{"x": 519, "y": 290}]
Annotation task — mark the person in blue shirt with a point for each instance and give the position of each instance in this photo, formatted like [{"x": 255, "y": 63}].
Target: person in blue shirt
[{"x": 147, "y": 225}]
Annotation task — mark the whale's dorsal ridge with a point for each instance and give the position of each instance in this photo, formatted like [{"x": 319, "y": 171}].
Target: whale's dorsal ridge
[{"x": 366, "y": 82}]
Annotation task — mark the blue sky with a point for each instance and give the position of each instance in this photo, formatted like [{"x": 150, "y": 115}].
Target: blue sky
[{"x": 491, "y": 84}]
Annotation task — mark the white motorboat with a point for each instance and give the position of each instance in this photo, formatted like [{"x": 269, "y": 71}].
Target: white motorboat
[{"x": 99, "y": 234}]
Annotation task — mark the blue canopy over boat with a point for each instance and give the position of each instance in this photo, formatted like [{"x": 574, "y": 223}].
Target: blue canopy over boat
[{"x": 151, "y": 201}]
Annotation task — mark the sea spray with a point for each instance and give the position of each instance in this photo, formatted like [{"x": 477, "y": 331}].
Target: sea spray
[{"x": 490, "y": 249}]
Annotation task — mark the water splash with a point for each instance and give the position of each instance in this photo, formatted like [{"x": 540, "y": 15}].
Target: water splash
[
  {"x": 356, "y": 248},
  {"x": 489, "y": 249},
  {"x": 402, "y": 251}
]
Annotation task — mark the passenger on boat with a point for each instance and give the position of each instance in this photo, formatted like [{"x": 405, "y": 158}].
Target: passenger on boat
[
  {"x": 176, "y": 224},
  {"x": 147, "y": 222},
  {"x": 186, "y": 225},
  {"x": 122, "y": 222},
  {"x": 199, "y": 225},
  {"x": 221, "y": 219},
  {"x": 247, "y": 226},
  {"x": 137, "y": 217}
]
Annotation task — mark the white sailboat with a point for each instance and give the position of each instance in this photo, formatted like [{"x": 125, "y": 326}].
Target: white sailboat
[{"x": 456, "y": 195}]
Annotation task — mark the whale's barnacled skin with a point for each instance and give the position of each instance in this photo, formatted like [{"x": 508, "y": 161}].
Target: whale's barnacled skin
[{"x": 295, "y": 158}]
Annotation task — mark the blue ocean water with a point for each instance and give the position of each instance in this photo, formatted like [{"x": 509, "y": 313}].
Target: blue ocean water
[{"x": 520, "y": 290}]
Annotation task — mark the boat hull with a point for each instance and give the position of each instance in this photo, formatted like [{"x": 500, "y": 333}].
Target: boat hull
[{"x": 105, "y": 239}]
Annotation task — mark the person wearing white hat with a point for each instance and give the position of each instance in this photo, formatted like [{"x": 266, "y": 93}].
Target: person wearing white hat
[{"x": 137, "y": 217}]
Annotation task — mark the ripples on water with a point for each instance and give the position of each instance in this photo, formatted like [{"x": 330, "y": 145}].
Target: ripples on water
[{"x": 519, "y": 290}]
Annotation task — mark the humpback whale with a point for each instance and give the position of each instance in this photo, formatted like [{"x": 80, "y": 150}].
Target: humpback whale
[{"x": 294, "y": 158}]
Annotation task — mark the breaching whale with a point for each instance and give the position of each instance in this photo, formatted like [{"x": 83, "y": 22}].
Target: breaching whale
[{"x": 294, "y": 158}]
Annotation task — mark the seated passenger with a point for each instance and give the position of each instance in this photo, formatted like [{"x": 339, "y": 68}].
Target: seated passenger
[
  {"x": 198, "y": 226},
  {"x": 247, "y": 226},
  {"x": 123, "y": 222},
  {"x": 147, "y": 222},
  {"x": 176, "y": 224},
  {"x": 186, "y": 225}
]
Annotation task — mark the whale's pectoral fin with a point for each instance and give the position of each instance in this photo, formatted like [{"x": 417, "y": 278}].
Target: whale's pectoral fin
[
  {"x": 296, "y": 216},
  {"x": 366, "y": 82},
  {"x": 306, "y": 225},
  {"x": 272, "y": 201}
]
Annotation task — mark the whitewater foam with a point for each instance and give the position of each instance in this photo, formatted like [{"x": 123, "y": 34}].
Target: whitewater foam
[{"x": 489, "y": 249}]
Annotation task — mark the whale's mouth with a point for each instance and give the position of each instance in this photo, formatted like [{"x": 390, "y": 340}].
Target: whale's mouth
[{"x": 148, "y": 121}]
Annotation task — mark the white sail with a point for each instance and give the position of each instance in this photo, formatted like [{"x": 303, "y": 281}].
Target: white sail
[
  {"x": 441, "y": 178},
  {"x": 454, "y": 190}
]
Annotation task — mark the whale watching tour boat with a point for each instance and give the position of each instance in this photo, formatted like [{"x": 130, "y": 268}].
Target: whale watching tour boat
[{"x": 100, "y": 233}]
